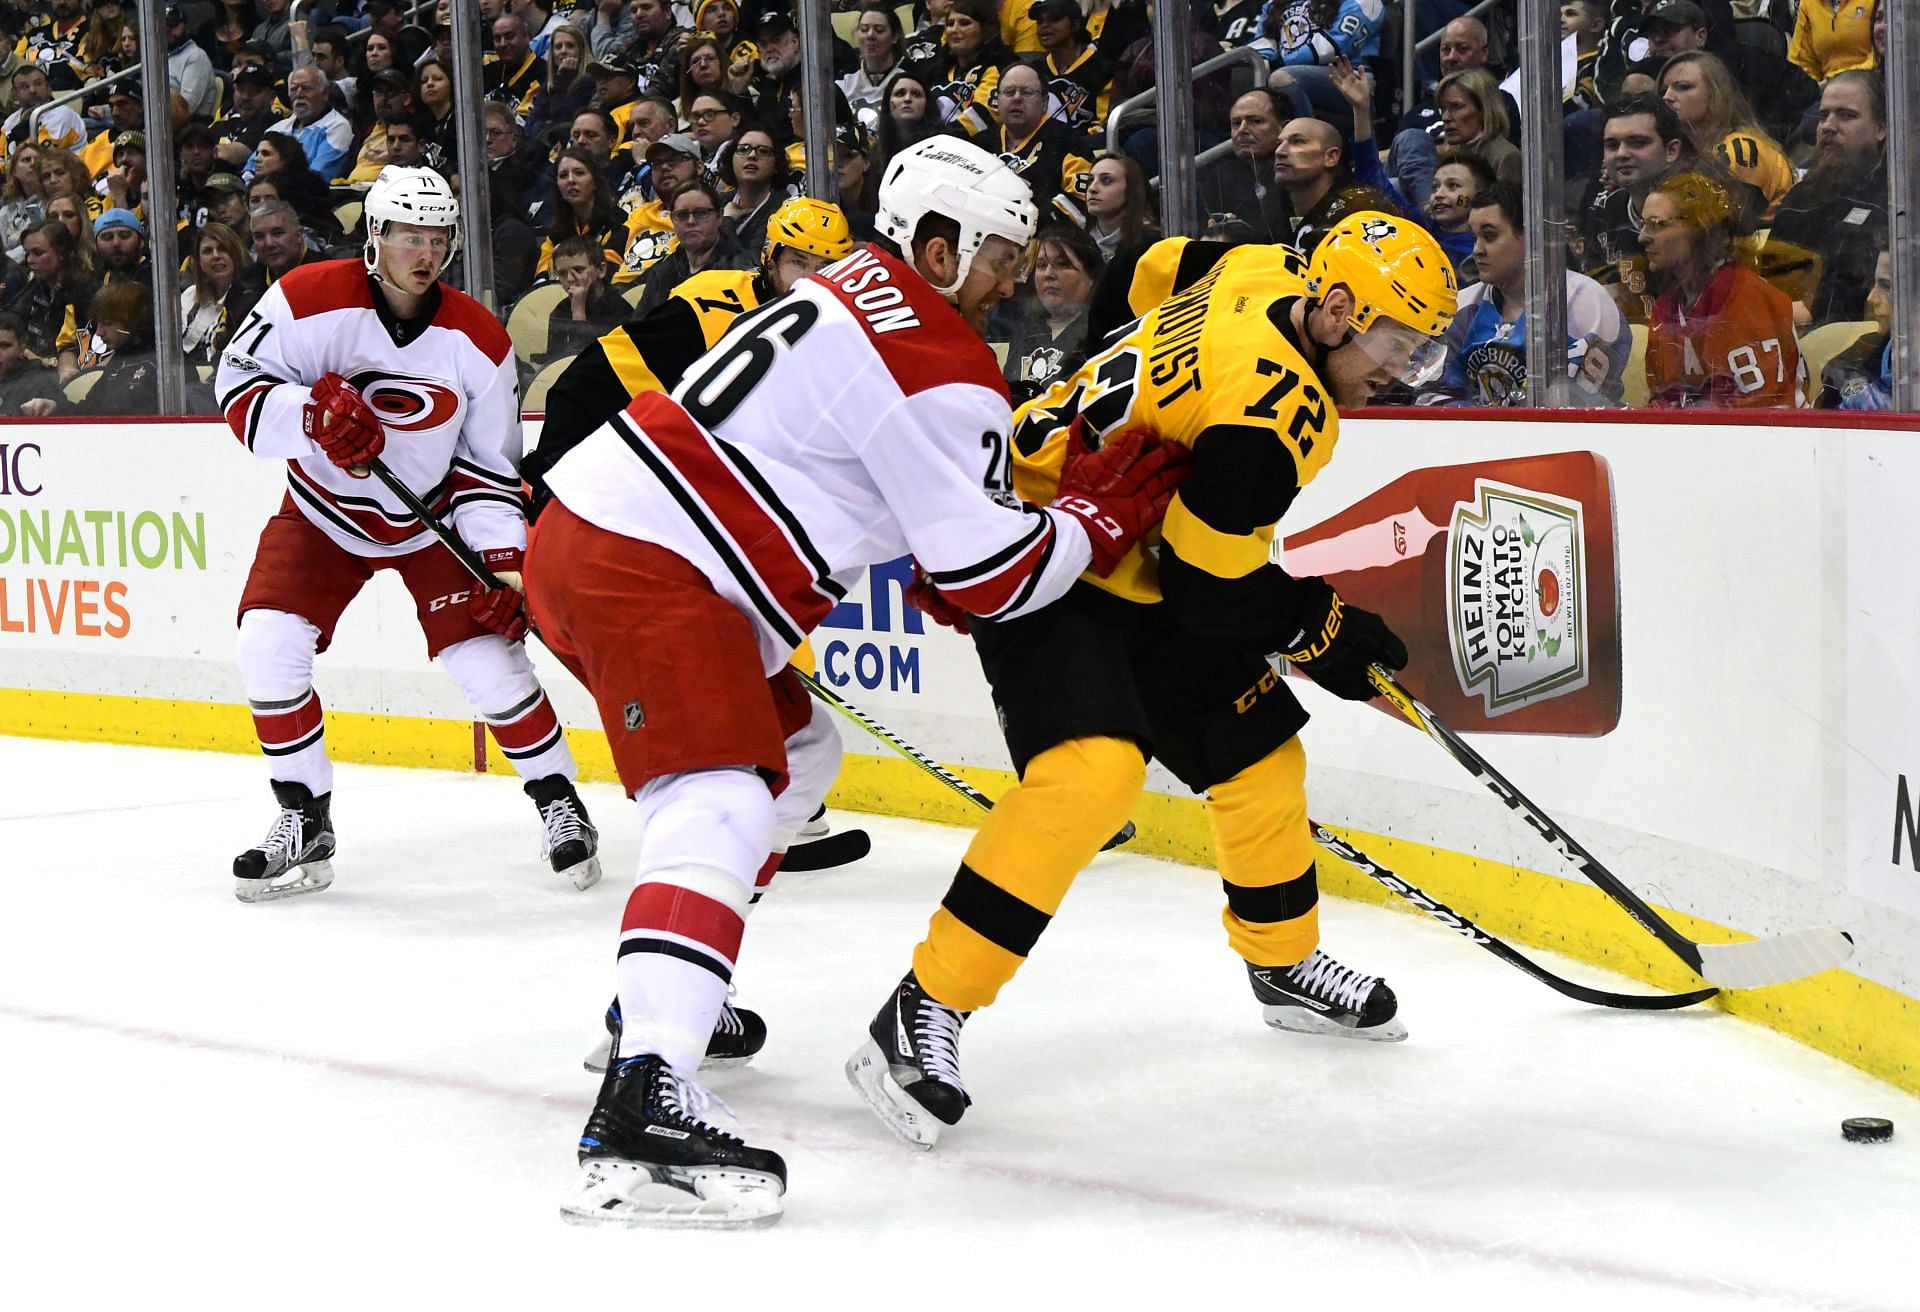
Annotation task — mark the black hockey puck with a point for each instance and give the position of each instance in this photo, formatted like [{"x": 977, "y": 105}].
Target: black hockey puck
[{"x": 1866, "y": 1129}]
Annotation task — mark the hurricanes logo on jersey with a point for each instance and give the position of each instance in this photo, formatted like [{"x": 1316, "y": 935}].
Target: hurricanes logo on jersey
[{"x": 407, "y": 404}]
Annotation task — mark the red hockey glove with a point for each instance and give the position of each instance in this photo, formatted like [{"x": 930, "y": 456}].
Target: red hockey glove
[
  {"x": 1120, "y": 491},
  {"x": 924, "y": 597},
  {"x": 345, "y": 426},
  {"x": 501, "y": 610}
]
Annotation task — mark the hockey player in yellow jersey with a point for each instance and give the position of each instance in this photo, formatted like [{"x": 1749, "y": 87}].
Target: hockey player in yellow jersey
[
  {"x": 1244, "y": 355},
  {"x": 649, "y": 354}
]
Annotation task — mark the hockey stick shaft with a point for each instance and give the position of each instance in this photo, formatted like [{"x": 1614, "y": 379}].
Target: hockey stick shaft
[
  {"x": 1754, "y": 964},
  {"x": 463, "y": 553},
  {"x": 1464, "y": 927},
  {"x": 920, "y": 758}
]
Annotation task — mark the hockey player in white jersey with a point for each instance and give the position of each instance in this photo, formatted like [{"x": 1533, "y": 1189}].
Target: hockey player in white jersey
[
  {"x": 696, "y": 538},
  {"x": 339, "y": 363}
]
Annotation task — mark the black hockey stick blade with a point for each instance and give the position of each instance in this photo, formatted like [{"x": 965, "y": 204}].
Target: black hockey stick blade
[
  {"x": 1124, "y": 836},
  {"x": 1755, "y": 964},
  {"x": 1471, "y": 932},
  {"x": 837, "y": 849}
]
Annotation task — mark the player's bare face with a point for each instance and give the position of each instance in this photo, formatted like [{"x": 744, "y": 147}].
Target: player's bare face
[
  {"x": 989, "y": 281},
  {"x": 411, "y": 256},
  {"x": 791, "y": 266}
]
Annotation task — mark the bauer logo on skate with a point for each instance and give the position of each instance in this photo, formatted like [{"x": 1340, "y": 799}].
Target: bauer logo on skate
[
  {"x": 1516, "y": 596},
  {"x": 407, "y": 404}
]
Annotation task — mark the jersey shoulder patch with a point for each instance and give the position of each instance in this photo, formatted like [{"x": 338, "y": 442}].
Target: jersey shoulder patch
[
  {"x": 921, "y": 338},
  {"x": 326, "y": 286}
]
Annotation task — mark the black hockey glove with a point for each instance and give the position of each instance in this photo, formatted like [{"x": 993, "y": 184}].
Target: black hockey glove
[{"x": 1337, "y": 642}]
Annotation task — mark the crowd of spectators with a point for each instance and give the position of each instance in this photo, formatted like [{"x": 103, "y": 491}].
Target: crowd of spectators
[{"x": 1726, "y": 162}]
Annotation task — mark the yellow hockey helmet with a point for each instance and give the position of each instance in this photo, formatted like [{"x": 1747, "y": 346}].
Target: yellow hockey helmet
[
  {"x": 1393, "y": 267},
  {"x": 1403, "y": 286},
  {"x": 813, "y": 226}
]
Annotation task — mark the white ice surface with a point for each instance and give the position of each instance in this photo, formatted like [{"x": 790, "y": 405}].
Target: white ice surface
[{"x": 368, "y": 1098}]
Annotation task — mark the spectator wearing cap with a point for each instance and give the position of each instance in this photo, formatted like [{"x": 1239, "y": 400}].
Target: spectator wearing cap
[
  {"x": 566, "y": 87},
  {"x": 1314, "y": 190},
  {"x": 1079, "y": 77},
  {"x": 274, "y": 32},
  {"x": 193, "y": 164},
  {"x": 1044, "y": 151},
  {"x": 654, "y": 49},
  {"x": 392, "y": 98},
  {"x": 254, "y": 111},
  {"x": 720, "y": 19},
  {"x": 1049, "y": 340},
  {"x": 123, "y": 184},
  {"x": 226, "y": 195},
  {"x": 702, "y": 242},
  {"x": 189, "y": 69},
  {"x": 966, "y": 71},
  {"x": 616, "y": 82},
  {"x": 1238, "y": 184},
  {"x": 321, "y": 130},
  {"x": 59, "y": 126},
  {"x": 756, "y": 169},
  {"x": 775, "y": 86},
  {"x": 856, "y": 183},
  {"x": 1833, "y": 36},
  {"x": 582, "y": 206},
  {"x": 126, "y": 113},
  {"x": 672, "y": 162},
  {"x": 1829, "y": 230},
  {"x": 881, "y": 43},
  {"x": 516, "y": 75}
]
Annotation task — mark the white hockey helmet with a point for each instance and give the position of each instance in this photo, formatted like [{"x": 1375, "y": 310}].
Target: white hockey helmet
[
  {"x": 410, "y": 195},
  {"x": 956, "y": 179}
]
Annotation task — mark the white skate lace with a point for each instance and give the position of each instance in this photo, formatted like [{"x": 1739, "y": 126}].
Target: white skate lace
[
  {"x": 730, "y": 1020},
  {"x": 563, "y": 823},
  {"x": 282, "y": 842},
  {"x": 1326, "y": 978},
  {"x": 936, "y": 1039},
  {"x": 689, "y": 1102}
]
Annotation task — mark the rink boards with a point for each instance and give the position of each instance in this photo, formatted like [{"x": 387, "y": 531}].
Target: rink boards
[{"x": 1692, "y": 644}]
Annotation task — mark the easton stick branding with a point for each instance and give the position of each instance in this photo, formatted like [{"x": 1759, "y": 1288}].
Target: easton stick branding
[{"x": 1517, "y": 597}]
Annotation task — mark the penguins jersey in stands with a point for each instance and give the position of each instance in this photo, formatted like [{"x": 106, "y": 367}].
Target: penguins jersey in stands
[
  {"x": 1487, "y": 354},
  {"x": 852, "y": 421},
  {"x": 444, "y": 383},
  {"x": 1354, "y": 33},
  {"x": 641, "y": 355},
  {"x": 1213, "y": 369}
]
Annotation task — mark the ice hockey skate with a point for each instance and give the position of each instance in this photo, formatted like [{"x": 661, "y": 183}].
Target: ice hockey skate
[
  {"x": 294, "y": 857},
  {"x": 570, "y": 843},
  {"x": 1321, "y": 996},
  {"x": 737, "y": 1035},
  {"x": 648, "y": 1157},
  {"x": 908, "y": 1071}
]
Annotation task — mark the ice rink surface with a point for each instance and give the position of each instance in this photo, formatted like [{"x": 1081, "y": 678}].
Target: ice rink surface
[{"x": 369, "y": 1096}]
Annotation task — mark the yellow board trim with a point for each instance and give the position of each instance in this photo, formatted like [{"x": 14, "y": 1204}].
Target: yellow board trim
[{"x": 1864, "y": 1024}]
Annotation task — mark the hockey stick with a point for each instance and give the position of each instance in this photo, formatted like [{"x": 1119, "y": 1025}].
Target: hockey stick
[
  {"x": 476, "y": 567},
  {"x": 918, "y": 757},
  {"x": 1460, "y": 925},
  {"x": 1751, "y": 965}
]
